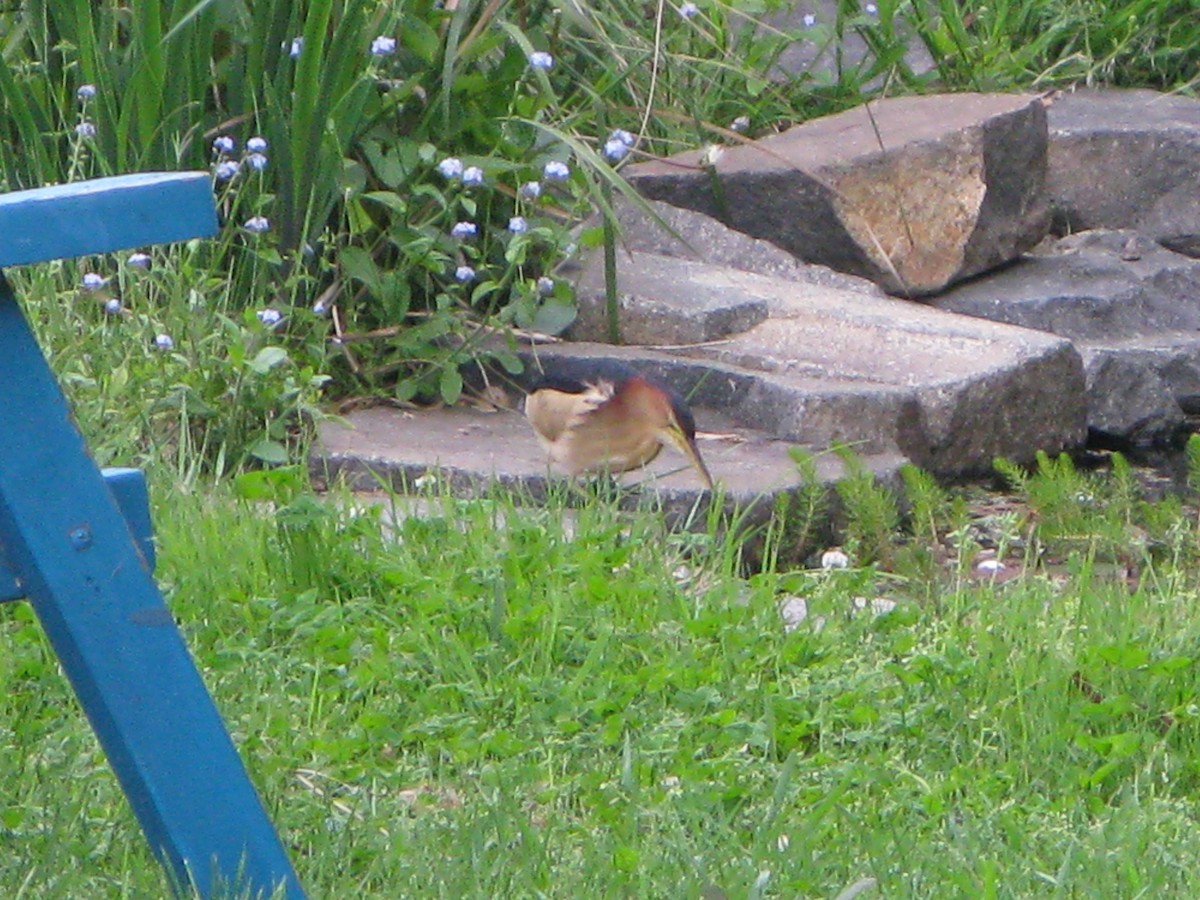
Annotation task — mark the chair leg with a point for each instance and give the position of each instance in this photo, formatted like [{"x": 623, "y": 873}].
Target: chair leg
[{"x": 76, "y": 560}]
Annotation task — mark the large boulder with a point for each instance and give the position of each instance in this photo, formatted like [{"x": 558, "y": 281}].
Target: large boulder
[{"x": 914, "y": 193}]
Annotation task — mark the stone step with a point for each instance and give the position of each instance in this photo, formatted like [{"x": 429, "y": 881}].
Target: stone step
[
  {"x": 467, "y": 452},
  {"x": 815, "y": 410},
  {"x": 831, "y": 365}
]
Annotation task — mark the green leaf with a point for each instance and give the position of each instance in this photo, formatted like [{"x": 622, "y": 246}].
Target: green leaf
[
  {"x": 269, "y": 484},
  {"x": 510, "y": 361},
  {"x": 269, "y": 451},
  {"x": 1124, "y": 656},
  {"x": 554, "y": 317},
  {"x": 358, "y": 264},
  {"x": 1171, "y": 664},
  {"x": 589, "y": 238},
  {"x": 386, "y": 164},
  {"x": 267, "y": 358},
  {"x": 420, "y": 38},
  {"x": 451, "y": 384},
  {"x": 390, "y": 200},
  {"x": 353, "y": 177}
]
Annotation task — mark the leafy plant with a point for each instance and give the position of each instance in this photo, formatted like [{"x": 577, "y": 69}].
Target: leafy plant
[{"x": 871, "y": 510}]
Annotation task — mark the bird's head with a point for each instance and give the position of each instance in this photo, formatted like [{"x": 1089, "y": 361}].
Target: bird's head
[{"x": 655, "y": 406}]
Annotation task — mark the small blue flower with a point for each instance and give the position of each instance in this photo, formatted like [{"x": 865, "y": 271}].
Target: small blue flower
[
  {"x": 464, "y": 274},
  {"x": 226, "y": 169},
  {"x": 85, "y": 130},
  {"x": 112, "y": 306},
  {"x": 545, "y": 285},
  {"x": 687, "y": 10},
  {"x": 556, "y": 171},
  {"x": 383, "y": 46},
  {"x": 86, "y": 92},
  {"x": 872, "y": 9},
  {"x": 464, "y": 230},
  {"x": 450, "y": 167},
  {"x": 296, "y": 47},
  {"x": 92, "y": 282},
  {"x": 269, "y": 316},
  {"x": 530, "y": 190},
  {"x": 223, "y": 144},
  {"x": 625, "y": 137},
  {"x": 139, "y": 260},
  {"x": 319, "y": 308},
  {"x": 518, "y": 225},
  {"x": 740, "y": 124},
  {"x": 615, "y": 151},
  {"x": 257, "y": 144},
  {"x": 472, "y": 176},
  {"x": 257, "y": 224},
  {"x": 540, "y": 59},
  {"x": 163, "y": 342},
  {"x": 809, "y": 20},
  {"x": 256, "y": 161}
]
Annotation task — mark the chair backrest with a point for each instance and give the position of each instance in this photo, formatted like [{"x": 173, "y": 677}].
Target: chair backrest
[{"x": 104, "y": 215}]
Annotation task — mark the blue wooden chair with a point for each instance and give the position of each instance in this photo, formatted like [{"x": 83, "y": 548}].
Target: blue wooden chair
[{"x": 77, "y": 543}]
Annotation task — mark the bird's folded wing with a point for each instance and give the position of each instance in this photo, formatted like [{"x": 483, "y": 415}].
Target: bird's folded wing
[{"x": 552, "y": 412}]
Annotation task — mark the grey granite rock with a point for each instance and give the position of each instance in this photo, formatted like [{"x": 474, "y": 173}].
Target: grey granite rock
[
  {"x": 694, "y": 313},
  {"x": 1127, "y": 159},
  {"x": 656, "y": 308},
  {"x": 915, "y": 194},
  {"x": 666, "y": 230},
  {"x": 1118, "y": 296},
  {"x": 469, "y": 453},
  {"x": 1129, "y": 403}
]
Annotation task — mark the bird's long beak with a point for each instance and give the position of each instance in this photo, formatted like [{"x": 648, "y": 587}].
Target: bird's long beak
[{"x": 692, "y": 452}]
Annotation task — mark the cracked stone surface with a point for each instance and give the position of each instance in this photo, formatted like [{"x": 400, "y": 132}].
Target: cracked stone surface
[
  {"x": 469, "y": 451},
  {"x": 828, "y": 365}
]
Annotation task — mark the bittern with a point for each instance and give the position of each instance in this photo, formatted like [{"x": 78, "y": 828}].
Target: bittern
[{"x": 610, "y": 418}]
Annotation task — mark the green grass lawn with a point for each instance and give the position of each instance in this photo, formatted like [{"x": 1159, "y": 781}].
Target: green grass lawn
[
  {"x": 484, "y": 701},
  {"x": 498, "y": 700}
]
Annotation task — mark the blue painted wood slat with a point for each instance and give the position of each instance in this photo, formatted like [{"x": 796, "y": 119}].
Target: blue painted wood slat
[
  {"x": 128, "y": 487},
  {"x": 117, "y": 641},
  {"x": 105, "y": 214}
]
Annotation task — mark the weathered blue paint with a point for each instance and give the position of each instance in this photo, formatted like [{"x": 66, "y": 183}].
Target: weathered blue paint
[
  {"x": 105, "y": 214},
  {"x": 128, "y": 487},
  {"x": 82, "y": 558}
]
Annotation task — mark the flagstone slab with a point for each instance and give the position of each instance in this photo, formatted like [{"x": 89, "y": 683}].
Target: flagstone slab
[
  {"x": 950, "y": 392},
  {"x": 466, "y": 452}
]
